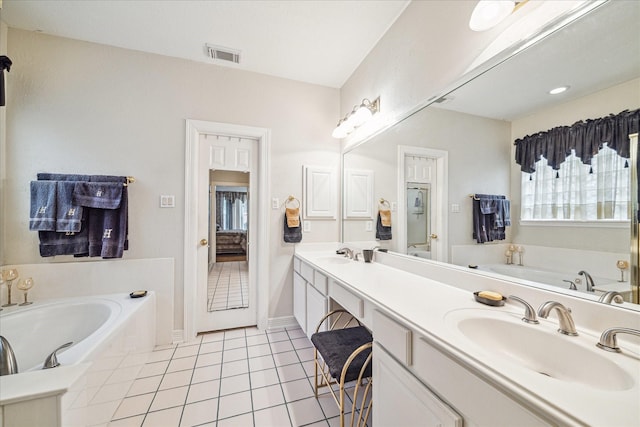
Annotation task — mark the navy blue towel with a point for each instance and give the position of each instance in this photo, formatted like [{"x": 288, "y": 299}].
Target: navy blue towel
[
  {"x": 292, "y": 234},
  {"x": 43, "y": 206},
  {"x": 53, "y": 243},
  {"x": 382, "y": 232},
  {"x": 69, "y": 216},
  {"x": 108, "y": 229},
  {"x": 102, "y": 195}
]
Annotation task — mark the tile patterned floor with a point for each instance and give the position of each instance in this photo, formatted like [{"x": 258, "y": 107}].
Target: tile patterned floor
[
  {"x": 228, "y": 286},
  {"x": 242, "y": 377}
]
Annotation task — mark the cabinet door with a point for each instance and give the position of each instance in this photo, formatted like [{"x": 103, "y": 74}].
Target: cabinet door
[
  {"x": 316, "y": 309},
  {"x": 399, "y": 399},
  {"x": 300, "y": 300}
]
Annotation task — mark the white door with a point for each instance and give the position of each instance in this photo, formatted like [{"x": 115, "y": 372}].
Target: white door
[{"x": 224, "y": 154}]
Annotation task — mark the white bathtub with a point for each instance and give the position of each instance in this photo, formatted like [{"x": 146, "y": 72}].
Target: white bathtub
[{"x": 105, "y": 330}]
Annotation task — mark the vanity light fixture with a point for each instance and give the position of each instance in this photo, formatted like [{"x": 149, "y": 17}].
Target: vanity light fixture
[
  {"x": 358, "y": 116},
  {"x": 489, "y": 13},
  {"x": 558, "y": 90}
]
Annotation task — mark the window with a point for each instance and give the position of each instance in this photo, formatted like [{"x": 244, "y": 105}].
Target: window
[{"x": 577, "y": 191}]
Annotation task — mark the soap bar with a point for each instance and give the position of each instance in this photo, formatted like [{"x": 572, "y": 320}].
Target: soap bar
[{"x": 494, "y": 296}]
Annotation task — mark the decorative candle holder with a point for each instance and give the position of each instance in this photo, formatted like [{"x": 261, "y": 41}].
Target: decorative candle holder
[
  {"x": 622, "y": 266},
  {"x": 509, "y": 256},
  {"x": 520, "y": 250},
  {"x": 8, "y": 276},
  {"x": 25, "y": 286}
]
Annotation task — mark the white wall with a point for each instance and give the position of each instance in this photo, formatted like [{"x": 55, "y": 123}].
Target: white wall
[
  {"x": 429, "y": 49},
  {"x": 600, "y": 104},
  {"x": 77, "y": 107}
]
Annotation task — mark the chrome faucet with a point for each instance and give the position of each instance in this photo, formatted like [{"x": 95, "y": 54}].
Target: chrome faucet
[
  {"x": 609, "y": 341},
  {"x": 588, "y": 279},
  {"x": 8, "y": 363},
  {"x": 52, "y": 359},
  {"x": 566, "y": 325},
  {"x": 572, "y": 285},
  {"x": 347, "y": 252},
  {"x": 529, "y": 312},
  {"x": 614, "y": 296}
]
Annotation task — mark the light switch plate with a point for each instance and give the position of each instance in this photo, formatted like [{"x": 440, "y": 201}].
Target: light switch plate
[
  {"x": 394, "y": 206},
  {"x": 368, "y": 226},
  {"x": 167, "y": 201},
  {"x": 275, "y": 203},
  {"x": 306, "y": 226},
  {"x": 455, "y": 208}
]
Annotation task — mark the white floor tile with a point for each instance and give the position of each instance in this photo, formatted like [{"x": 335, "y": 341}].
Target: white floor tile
[
  {"x": 281, "y": 346},
  {"x": 182, "y": 364},
  {"x": 234, "y": 404},
  {"x": 305, "y": 411},
  {"x": 191, "y": 350},
  {"x": 263, "y": 378},
  {"x": 111, "y": 392},
  {"x": 209, "y": 359},
  {"x": 257, "y": 339},
  {"x": 245, "y": 420},
  {"x": 261, "y": 363},
  {"x": 232, "y": 343},
  {"x": 127, "y": 422},
  {"x": 286, "y": 358},
  {"x": 235, "y": 384},
  {"x": 234, "y": 354},
  {"x": 165, "y": 418},
  {"x": 206, "y": 373},
  {"x": 266, "y": 397},
  {"x": 297, "y": 390},
  {"x": 277, "y": 416},
  {"x": 235, "y": 368},
  {"x": 144, "y": 385},
  {"x": 259, "y": 350},
  {"x": 175, "y": 379},
  {"x": 160, "y": 355},
  {"x": 203, "y": 391},
  {"x": 169, "y": 398},
  {"x": 199, "y": 413},
  {"x": 151, "y": 369},
  {"x": 210, "y": 347},
  {"x": 291, "y": 372},
  {"x": 135, "y": 405}
]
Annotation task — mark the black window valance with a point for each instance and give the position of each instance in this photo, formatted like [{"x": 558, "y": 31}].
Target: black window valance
[{"x": 585, "y": 137}]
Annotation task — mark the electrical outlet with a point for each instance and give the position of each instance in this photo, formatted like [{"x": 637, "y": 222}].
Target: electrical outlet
[
  {"x": 306, "y": 226},
  {"x": 394, "y": 206},
  {"x": 455, "y": 208},
  {"x": 275, "y": 203},
  {"x": 368, "y": 226}
]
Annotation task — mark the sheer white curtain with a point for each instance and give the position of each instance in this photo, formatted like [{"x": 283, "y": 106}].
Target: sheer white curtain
[{"x": 577, "y": 191}]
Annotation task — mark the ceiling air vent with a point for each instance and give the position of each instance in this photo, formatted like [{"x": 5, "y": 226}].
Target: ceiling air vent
[{"x": 223, "y": 53}]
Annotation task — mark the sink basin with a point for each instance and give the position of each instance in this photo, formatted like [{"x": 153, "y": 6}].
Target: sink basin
[
  {"x": 337, "y": 259},
  {"x": 540, "y": 348}
]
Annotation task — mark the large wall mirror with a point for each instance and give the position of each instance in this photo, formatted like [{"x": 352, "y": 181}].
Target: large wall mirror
[{"x": 597, "y": 55}]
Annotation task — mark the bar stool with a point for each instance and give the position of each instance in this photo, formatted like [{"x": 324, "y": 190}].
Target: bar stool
[{"x": 342, "y": 354}]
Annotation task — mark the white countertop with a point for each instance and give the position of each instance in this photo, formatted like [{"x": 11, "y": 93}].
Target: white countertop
[{"x": 424, "y": 304}]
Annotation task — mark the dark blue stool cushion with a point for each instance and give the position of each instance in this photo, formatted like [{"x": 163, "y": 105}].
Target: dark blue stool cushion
[{"x": 336, "y": 346}]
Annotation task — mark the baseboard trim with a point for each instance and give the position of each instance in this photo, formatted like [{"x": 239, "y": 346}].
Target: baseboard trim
[
  {"x": 282, "y": 322},
  {"x": 177, "y": 336}
]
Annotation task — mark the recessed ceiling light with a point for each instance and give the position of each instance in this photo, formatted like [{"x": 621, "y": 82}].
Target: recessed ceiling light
[{"x": 558, "y": 90}]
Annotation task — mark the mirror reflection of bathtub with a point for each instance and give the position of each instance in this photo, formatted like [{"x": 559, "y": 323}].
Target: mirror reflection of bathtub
[{"x": 558, "y": 278}]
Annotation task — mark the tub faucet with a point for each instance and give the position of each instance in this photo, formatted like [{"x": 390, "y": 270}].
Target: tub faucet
[
  {"x": 346, "y": 251},
  {"x": 8, "y": 363},
  {"x": 588, "y": 279},
  {"x": 566, "y": 325},
  {"x": 610, "y": 296},
  {"x": 52, "y": 359}
]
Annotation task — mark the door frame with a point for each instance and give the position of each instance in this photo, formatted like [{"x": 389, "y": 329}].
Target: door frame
[
  {"x": 440, "y": 191},
  {"x": 194, "y": 129}
]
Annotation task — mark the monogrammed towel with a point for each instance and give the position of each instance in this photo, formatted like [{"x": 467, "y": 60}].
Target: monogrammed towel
[{"x": 43, "y": 206}]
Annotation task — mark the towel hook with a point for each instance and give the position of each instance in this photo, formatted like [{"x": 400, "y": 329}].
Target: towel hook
[
  {"x": 384, "y": 203},
  {"x": 291, "y": 199}
]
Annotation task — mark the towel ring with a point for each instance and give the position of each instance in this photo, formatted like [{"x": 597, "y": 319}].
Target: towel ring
[
  {"x": 384, "y": 203},
  {"x": 291, "y": 199}
]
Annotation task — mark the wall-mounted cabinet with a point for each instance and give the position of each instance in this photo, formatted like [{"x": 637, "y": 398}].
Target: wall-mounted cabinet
[
  {"x": 358, "y": 191},
  {"x": 319, "y": 192}
]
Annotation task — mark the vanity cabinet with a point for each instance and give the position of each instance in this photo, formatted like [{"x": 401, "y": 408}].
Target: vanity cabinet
[
  {"x": 399, "y": 399},
  {"x": 310, "y": 302}
]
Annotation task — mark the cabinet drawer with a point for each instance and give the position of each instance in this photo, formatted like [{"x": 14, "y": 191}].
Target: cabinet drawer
[
  {"x": 393, "y": 336},
  {"x": 350, "y": 302},
  {"x": 320, "y": 282},
  {"x": 472, "y": 396},
  {"x": 296, "y": 264},
  {"x": 306, "y": 271}
]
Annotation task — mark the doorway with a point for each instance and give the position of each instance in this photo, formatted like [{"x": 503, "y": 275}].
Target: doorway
[
  {"x": 244, "y": 149},
  {"x": 422, "y": 210}
]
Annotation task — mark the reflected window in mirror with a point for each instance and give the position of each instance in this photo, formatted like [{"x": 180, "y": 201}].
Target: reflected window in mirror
[
  {"x": 578, "y": 191},
  {"x": 231, "y": 208}
]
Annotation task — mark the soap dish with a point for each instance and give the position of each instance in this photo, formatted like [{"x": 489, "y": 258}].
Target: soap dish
[{"x": 487, "y": 301}]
